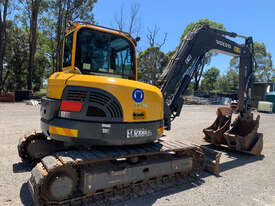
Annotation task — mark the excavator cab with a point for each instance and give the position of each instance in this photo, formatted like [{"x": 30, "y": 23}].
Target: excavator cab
[{"x": 99, "y": 51}]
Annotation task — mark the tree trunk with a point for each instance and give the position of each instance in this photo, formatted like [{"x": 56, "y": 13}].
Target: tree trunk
[
  {"x": 35, "y": 4},
  {"x": 58, "y": 35},
  {"x": 3, "y": 38}
]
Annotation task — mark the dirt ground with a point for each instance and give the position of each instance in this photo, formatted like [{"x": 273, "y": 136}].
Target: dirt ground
[{"x": 244, "y": 179}]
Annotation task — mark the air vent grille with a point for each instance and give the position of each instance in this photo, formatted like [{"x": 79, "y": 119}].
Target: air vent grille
[
  {"x": 109, "y": 103},
  {"x": 76, "y": 95},
  {"x": 98, "y": 103}
]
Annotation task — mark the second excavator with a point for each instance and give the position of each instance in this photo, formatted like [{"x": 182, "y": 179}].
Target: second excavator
[{"x": 102, "y": 129}]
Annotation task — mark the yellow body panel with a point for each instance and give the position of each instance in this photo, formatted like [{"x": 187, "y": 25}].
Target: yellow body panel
[
  {"x": 56, "y": 84},
  {"x": 150, "y": 109},
  {"x": 122, "y": 89}
]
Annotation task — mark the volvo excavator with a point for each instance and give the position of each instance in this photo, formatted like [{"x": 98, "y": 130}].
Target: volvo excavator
[{"x": 102, "y": 130}]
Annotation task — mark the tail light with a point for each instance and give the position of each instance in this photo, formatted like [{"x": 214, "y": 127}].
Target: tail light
[{"x": 70, "y": 106}]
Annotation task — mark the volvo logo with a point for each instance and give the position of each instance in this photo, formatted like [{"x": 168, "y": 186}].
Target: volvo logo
[
  {"x": 138, "y": 95},
  {"x": 224, "y": 44}
]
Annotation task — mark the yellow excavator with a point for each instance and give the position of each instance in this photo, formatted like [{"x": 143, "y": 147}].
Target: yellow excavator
[{"x": 102, "y": 129}]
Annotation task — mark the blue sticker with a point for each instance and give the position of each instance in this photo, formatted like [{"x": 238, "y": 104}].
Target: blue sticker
[{"x": 138, "y": 95}]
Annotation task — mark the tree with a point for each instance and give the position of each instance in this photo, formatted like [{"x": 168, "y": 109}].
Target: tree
[
  {"x": 152, "y": 61},
  {"x": 264, "y": 70},
  {"x": 196, "y": 24},
  {"x": 152, "y": 37},
  {"x": 34, "y": 6},
  {"x": 16, "y": 57},
  {"x": 208, "y": 55},
  {"x": 47, "y": 26},
  {"x": 228, "y": 83},
  {"x": 29, "y": 16},
  {"x": 3, "y": 39},
  {"x": 151, "y": 64},
  {"x": 170, "y": 54},
  {"x": 210, "y": 78},
  {"x": 62, "y": 12},
  {"x": 42, "y": 61},
  {"x": 128, "y": 23}
]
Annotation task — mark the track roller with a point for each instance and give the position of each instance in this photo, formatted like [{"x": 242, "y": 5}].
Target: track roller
[{"x": 60, "y": 184}]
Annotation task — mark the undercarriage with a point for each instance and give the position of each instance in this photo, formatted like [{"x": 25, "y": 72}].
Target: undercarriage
[{"x": 106, "y": 175}]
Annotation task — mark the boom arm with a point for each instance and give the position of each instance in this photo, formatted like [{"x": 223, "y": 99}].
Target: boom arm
[{"x": 189, "y": 55}]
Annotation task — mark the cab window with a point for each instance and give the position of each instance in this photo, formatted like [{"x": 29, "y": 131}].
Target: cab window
[
  {"x": 104, "y": 54},
  {"x": 67, "y": 59}
]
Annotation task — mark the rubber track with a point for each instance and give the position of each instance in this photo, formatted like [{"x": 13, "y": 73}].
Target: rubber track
[
  {"x": 23, "y": 143},
  {"x": 77, "y": 158}
]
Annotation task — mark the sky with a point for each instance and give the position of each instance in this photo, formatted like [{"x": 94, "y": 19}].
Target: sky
[{"x": 254, "y": 18}]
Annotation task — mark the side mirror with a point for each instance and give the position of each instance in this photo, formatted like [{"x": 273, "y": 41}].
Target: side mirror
[{"x": 137, "y": 39}]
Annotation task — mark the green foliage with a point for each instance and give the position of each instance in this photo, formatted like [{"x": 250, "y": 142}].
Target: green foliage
[
  {"x": 265, "y": 71},
  {"x": 17, "y": 54},
  {"x": 52, "y": 19},
  {"x": 16, "y": 57},
  {"x": 170, "y": 54},
  {"x": 209, "y": 79},
  {"x": 151, "y": 64},
  {"x": 190, "y": 89},
  {"x": 264, "y": 68},
  {"x": 228, "y": 83},
  {"x": 42, "y": 62},
  {"x": 208, "y": 55},
  {"x": 194, "y": 25}
]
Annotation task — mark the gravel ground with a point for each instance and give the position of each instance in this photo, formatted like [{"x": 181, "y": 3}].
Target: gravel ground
[{"x": 244, "y": 179}]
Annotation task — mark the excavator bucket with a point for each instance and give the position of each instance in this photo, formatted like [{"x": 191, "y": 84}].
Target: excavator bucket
[
  {"x": 215, "y": 133},
  {"x": 243, "y": 135}
]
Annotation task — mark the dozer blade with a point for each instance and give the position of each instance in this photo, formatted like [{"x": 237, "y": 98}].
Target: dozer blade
[
  {"x": 243, "y": 135},
  {"x": 211, "y": 160},
  {"x": 215, "y": 133}
]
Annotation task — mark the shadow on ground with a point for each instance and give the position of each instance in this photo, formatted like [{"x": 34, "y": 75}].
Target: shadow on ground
[
  {"x": 236, "y": 159},
  {"x": 25, "y": 195},
  {"x": 145, "y": 200},
  {"x": 149, "y": 200},
  {"x": 21, "y": 167}
]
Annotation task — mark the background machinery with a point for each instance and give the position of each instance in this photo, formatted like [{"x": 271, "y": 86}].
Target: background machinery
[{"x": 102, "y": 129}]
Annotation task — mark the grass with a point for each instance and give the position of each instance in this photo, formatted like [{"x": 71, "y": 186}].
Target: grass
[{"x": 41, "y": 93}]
